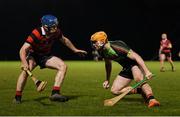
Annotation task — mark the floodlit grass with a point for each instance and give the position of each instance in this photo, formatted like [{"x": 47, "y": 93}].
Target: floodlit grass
[{"x": 83, "y": 85}]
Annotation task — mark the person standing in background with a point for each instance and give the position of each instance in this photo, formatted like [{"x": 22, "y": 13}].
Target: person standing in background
[{"x": 165, "y": 52}]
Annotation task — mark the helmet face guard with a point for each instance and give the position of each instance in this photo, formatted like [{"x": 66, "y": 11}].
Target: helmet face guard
[
  {"x": 97, "y": 44},
  {"x": 51, "y": 29}
]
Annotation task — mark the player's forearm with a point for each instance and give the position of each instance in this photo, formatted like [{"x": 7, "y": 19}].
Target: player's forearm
[
  {"x": 108, "y": 66},
  {"x": 140, "y": 62},
  {"x": 22, "y": 54},
  {"x": 69, "y": 44}
]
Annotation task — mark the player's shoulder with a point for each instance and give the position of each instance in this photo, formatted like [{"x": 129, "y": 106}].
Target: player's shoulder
[
  {"x": 38, "y": 31},
  {"x": 118, "y": 42}
]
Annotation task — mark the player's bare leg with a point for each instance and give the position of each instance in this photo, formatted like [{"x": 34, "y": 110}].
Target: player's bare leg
[
  {"x": 147, "y": 92},
  {"x": 21, "y": 82},
  {"x": 171, "y": 62},
  {"x": 120, "y": 85},
  {"x": 61, "y": 67},
  {"x": 162, "y": 59}
]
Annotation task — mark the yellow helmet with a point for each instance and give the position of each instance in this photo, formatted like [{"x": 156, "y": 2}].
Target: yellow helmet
[{"x": 99, "y": 36}]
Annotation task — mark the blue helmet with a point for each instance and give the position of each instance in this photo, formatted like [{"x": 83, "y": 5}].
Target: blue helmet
[{"x": 49, "y": 20}]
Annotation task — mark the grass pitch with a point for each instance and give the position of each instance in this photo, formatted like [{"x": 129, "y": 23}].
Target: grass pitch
[{"x": 83, "y": 85}]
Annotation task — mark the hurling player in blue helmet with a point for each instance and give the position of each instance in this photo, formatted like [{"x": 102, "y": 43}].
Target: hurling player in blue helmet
[
  {"x": 36, "y": 51},
  {"x": 50, "y": 23}
]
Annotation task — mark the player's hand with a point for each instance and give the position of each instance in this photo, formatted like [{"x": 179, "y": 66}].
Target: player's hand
[
  {"x": 149, "y": 75},
  {"x": 106, "y": 84},
  {"x": 24, "y": 67},
  {"x": 81, "y": 53}
]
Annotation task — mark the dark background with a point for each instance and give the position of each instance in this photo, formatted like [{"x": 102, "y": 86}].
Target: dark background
[{"x": 139, "y": 23}]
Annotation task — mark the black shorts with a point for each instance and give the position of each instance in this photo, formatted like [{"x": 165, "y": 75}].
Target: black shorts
[
  {"x": 127, "y": 72},
  {"x": 167, "y": 54},
  {"x": 40, "y": 59}
]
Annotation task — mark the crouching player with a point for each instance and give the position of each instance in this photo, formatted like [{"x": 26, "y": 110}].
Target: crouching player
[
  {"x": 133, "y": 67},
  {"x": 37, "y": 51}
]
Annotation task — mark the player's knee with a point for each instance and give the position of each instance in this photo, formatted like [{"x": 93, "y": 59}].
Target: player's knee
[
  {"x": 162, "y": 59},
  {"x": 62, "y": 67},
  {"x": 138, "y": 78},
  {"x": 114, "y": 91},
  {"x": 169, "y": 59}
]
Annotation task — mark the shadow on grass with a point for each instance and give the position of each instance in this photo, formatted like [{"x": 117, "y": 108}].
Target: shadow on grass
[
  {"x": 73, "y": 97},
  {"x": 168, "y": 70},
  {"x": 40, "y": 100},
  {"x": 133, "y": 99}
]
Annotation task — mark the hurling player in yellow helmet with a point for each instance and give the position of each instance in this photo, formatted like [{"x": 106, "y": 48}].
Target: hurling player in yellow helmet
[
  {"x": 99, "y": 39},
  {"x": 133, "y": 65}
]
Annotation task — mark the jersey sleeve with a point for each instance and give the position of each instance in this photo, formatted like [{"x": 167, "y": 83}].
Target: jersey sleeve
[
  {"x": 121, "y": 48},
  {"x": 29, "y": 40},
  {"x": 33, "y": 37}
]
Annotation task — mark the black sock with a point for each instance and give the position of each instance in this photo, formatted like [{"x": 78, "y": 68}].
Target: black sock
[
  {"x": 18, "y": 97},
  {"x": 139, "y": 90},
  {"x": 150, "y": 97},
  {"x": 38, "y": 83},
  {"x": 55, "y": 92}
]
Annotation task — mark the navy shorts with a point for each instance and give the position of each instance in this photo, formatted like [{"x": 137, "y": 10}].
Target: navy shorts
[
  {"x": 127, "y": 72},
  {"x": 40, "y": 59},
  {"x": 167, "y": 54}
]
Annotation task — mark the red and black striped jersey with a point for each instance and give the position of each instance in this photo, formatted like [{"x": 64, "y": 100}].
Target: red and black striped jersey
[
  {"x": 165, "y": 45},
  {"x": 42, "y": 43}
]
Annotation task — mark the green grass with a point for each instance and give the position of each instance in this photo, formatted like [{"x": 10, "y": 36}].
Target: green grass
[{"x": 83, "y": 85}]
